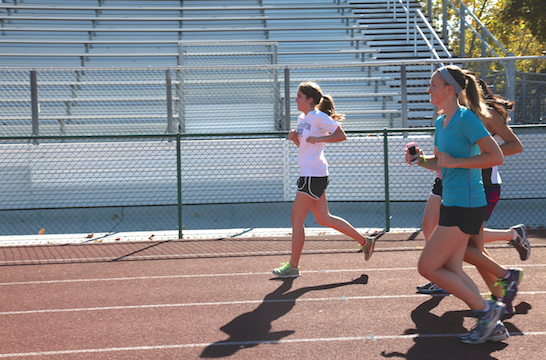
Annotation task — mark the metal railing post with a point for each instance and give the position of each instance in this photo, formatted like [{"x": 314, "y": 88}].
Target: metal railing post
[
  {"x": 386, "y": 167},
  {"x": 523, "y": 101},
  {"x": 462, "y": 34},
  {"x": 404, "y": 93},
  {"x": 407, "y": 21},
  {"x": 484, "y": 53},
  {"x": 444, "y": 21},
  {"x": 168, "y": 85},
  {"x": 276, "y": 89},
  {"x": 511, "y": 79},
  {"x": 181, "y": 90},
  {"x": 429, "y": 10},
  {"x": 286, "y": 98},
  {"x": 179, "y": 184},
  {"x": 34, "y": 104},
  {"x": 415, "y": 36}
]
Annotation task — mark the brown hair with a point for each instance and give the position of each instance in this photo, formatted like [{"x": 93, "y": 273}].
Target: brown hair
[
  {"x": 324, "y": 103},
  {"x": 472, "y": 93},
  {"x": 502, "y": 105}
]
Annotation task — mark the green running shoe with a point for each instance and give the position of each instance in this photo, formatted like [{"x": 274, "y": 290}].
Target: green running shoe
[{"x": 286, "y": 271}]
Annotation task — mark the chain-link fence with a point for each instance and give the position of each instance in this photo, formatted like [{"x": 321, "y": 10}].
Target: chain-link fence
[
  {"x": 220, "y": 99},
  {"x": 190, "y": 99},
  {"x": 150, "y": 183}
]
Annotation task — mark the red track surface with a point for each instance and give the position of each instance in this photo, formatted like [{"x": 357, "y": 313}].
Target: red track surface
[{"x": 217, "y": 299}]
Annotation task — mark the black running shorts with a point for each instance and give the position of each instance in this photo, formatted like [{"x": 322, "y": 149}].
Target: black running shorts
[
  {"x": 313, "y": 186},
  {"x": 492, "y": 193},
  {"x": 469, "y": 220}
]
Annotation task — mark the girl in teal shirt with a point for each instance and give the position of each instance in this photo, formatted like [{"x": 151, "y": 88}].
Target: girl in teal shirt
[{"x": 462, "y": 147}]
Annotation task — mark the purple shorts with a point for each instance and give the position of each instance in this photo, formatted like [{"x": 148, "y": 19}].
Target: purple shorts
[{"x": 492, "y": 193}]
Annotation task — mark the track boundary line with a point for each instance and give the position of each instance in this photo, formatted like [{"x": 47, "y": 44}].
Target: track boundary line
[
  {"x": 370, "y": 337},
  {"x": 181, "y": 276},
  {"x": 208, "y": 255},
  {"x": 236, "y": 302}
]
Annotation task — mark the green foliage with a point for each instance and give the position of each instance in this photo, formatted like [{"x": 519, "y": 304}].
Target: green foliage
[
  {"x": 517, "y": 36},
  {"x": 531, "y": 13}
]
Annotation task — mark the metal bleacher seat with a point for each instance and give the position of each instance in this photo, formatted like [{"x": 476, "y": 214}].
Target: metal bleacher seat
[{"x": 65, "y": 33}]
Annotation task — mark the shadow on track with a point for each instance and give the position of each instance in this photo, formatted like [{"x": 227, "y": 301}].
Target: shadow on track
[
  {"x": 436, "y": 335},
  {"x": 253, "y": 328}
]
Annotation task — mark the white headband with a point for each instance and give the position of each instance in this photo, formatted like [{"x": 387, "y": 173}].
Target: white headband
[{"x": 450, "y": 80}]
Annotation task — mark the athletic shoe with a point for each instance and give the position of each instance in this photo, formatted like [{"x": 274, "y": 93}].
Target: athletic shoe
[
  {"x": 510, "y": 288},
  {"x": 499, "y": 334},
  {"x": 286, "y": 271},
  {"x": 508, "y": 307},
  {"x": 491, "y": 297},
  {"x": 520, "y": 242},
  {"x": 486, "y": 325},
  {"x": 431, "y": 288},
  {"x": 367, "y": 248}
]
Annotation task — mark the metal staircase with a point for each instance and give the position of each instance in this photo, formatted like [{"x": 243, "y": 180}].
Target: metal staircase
[{"x": 394, "y": 33}]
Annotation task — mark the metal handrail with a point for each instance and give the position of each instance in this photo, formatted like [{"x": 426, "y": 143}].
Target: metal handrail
[
  {"x": 373, "y": 63},
  {"x": 433, "y": 52},
  {"x": 406, "y": 9},
  {"x": 509, "y": 69},
  {"x": 177, "y": 8},
  {"x": 155, "y": 41},
  {"x": 417, "y": 29},
  {"x": 433, "y": 34},
  {"x": 480, "y": 24},
  {"x": 178, "y": 18},
  {"x": 352, "y": 28}
]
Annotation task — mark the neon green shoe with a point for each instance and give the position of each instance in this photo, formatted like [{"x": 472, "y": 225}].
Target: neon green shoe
[
  {"x": 367, "y": 248},
  {"x": 286, "y": 271}
]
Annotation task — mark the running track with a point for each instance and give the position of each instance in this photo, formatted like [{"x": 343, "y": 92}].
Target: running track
[{"x": 217, "y": 299}]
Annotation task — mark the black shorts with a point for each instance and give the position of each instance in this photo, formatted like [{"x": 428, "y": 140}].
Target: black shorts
[
  {"x": 492, "y": 193},
  {"x": 469, "y": 220},
  {"x": 437, "y": 187},
  {"x": 313, "y": 186}
]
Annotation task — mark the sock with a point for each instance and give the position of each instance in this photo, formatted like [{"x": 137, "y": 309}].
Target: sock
[
  {"x": 515, "y": 234},
  {"x": 294, "y": 267},
  {"x": 487, "y": 306},
  {"x": 507, "y": 274}
]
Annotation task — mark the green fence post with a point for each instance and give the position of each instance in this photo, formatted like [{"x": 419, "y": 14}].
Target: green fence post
[
  {"x": 179, "y": 184},
  {"x": 386, "y": 163}
]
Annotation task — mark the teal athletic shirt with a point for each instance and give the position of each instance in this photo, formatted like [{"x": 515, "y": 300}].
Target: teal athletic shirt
[{"x": 461, "y": 187}]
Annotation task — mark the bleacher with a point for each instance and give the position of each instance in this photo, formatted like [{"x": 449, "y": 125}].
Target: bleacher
[
  {"x": 122, "y": 33},
  {"x": 121, "y": 29}
]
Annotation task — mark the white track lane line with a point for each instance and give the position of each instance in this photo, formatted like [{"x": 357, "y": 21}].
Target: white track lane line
[
  {"x": 226, "y": 303},
  {"x": 194, "y": 276},
  {"x": 207, "y": 255},
  {"x": 243, "y": 343},
  {"x": 231, "y": 274},
  {"x": 176, "y": 256}
]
